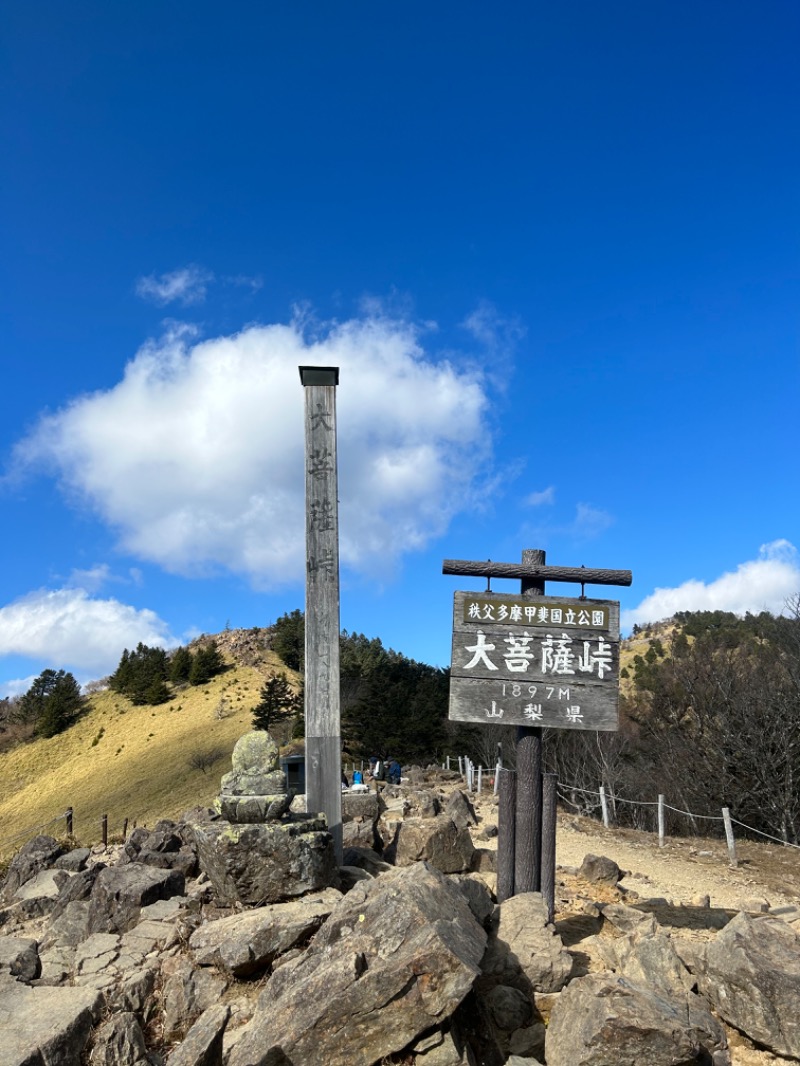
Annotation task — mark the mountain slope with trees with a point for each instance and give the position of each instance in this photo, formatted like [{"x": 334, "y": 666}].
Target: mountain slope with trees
[{"x": 710, "y": 715}]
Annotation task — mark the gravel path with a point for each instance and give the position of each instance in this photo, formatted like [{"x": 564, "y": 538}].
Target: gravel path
[{"x": 682, "y": 871}]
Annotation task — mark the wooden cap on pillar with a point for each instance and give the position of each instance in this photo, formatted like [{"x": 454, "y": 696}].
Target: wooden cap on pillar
[{"x": 319, "y": 375}]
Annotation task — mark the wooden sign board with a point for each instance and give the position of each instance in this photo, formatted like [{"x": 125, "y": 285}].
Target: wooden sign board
[{"x": 549, "y": 661}]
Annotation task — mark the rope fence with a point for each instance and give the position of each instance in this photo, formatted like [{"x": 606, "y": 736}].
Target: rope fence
[
  {"x": 725, "y": 817},
  {"x": 31, "y": 832},
  {"x": 473, "y": 777},
  {"x": 67, "y": 818}
]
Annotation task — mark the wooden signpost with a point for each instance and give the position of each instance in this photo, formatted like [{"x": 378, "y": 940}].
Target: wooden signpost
[
  {"x": 322, "y": 712},
  {"x": 550, "y": 662},
  {"x": 533, "y": 661}
]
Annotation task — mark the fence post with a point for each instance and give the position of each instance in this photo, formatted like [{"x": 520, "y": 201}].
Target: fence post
[
  {"x": 104, "y": 829},
  {"x": 68, "y": 817},
  {"x": 604, "y": 805},
  {"x": 497, "y": 770},
  {"x": 726, "y": 817},
  {"x": 480, "y": 779},
  {"x": 660, "y": 821},
  {"x": 125, "y": 829}
]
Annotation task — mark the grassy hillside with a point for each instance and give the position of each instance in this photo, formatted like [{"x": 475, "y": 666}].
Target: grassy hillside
[
  {"x": 136, "y": 762},
  {"x": 128, "y": 762}
]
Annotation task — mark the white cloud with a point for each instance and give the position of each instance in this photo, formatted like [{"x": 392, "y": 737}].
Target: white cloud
[
  {"x": 590, "y": 521},
  {"x": 90, "y": 580},
  {"x": 498, "y": 336},
  {"x": 93, "y": 579},
  {"x": 18, "y": 686},
  {"x": 67, "y": 628},
  {"x": 587, "y": 523},
  {"x": 254, "y": 283},
  {"x": 763, "y": 584},
  {"x": 196, "y": 456},
  {"x": 186, "y": 286},
  {"x": 545, "y": 498}
]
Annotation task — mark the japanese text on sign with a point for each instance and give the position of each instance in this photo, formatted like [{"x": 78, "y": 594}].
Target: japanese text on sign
[
  {"x": 514, "y": 664},
  {"x": 554, "y": 655},
  {"x": 514, "y": 612}
]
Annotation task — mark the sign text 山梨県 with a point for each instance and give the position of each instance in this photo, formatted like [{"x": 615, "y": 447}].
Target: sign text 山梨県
[{"x": 549, "y": 661}]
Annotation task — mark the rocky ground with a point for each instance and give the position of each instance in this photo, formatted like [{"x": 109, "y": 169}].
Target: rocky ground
[
  {"x": 689, "y": 881},
  {"x": 153, "y": 954}
]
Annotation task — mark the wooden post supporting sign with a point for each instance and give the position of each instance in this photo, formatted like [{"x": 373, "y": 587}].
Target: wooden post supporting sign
[
  {"x": 528, "y": 847},
  {"x": 322, "y": 712},
  {"x": 533, "y": 661}
]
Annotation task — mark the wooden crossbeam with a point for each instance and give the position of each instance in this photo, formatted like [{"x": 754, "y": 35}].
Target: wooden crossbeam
[{"x": 580, "y": 574}]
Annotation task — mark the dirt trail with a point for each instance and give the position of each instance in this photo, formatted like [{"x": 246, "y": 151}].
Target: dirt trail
[{"x": 682, "y": 871}]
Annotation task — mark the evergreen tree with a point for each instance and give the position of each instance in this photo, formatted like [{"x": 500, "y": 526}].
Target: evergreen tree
[
  {"x": 180, "y": 665},
  {"x": 141, "y": 675},
  {"x": 207, "y": 663},
  {"x": 278, "y": 703},
  {"x": 53, "y": 702},
  {"x": 299, "y": 724},
  {"x": 402, "y": 711},
  {"x": 289, "y": 639}
]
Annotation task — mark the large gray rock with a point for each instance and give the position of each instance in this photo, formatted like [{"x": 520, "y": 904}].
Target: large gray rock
[
  {"x": 752, "y": 978},
  {"x": 509, "y": 1007},
  {"x": 120, "y": 892},
  {"x": 629, "y": 919},
  {"x": 395, "y": 959},
  {"x": 41, "y": 891},
  {"x": 45, "y": 1026},
  {"x": 120, "y": 1042},
  {"x": 361, "y": 806},
  {"x": 187, "y": 992},
  {"x": 19, "y": 957},
  {"x": 38, "y": 854},
  {"x": 359, "y": 834},
  {"x": 459, "y": 807},
  {"x": 652, "y": 961},
  {"x": 74, "y": 860},
  {"x": 599, "y": 869},
  {"x": 524, "y": 949},
  {"x": 244, "y": 944},
  {"x": 165, "y": 847},
  {"x": 267, "y": 863},
  {"x": 360, "y": 815},
  {"x": 69, "y": 927},
  {"x": 423, "y": 803},
  {"x": 203, "y": 1043},
  {"x": 606, "y": 1020},
  {"x": 437, "y": 841}
]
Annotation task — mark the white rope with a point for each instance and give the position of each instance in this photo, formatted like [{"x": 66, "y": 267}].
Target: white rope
[{"x": 28, "y": 832}]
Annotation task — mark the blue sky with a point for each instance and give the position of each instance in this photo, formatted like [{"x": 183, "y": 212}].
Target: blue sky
[{"x": 552, "y": 248}]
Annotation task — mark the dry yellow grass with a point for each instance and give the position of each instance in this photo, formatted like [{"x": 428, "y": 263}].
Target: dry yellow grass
[{"x": 127, "y": 762}]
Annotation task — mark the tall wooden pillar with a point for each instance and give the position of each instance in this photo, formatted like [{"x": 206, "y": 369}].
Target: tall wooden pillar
[
  {"x": 528, "y": 836},
  {"x": 322, "y": 712}
]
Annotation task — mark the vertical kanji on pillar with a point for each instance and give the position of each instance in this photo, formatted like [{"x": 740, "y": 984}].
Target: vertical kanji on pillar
[{"x": 322, "y": 712}]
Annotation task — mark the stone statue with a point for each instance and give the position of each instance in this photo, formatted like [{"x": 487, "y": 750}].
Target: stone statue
[{"x": 255, "y": 789}]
